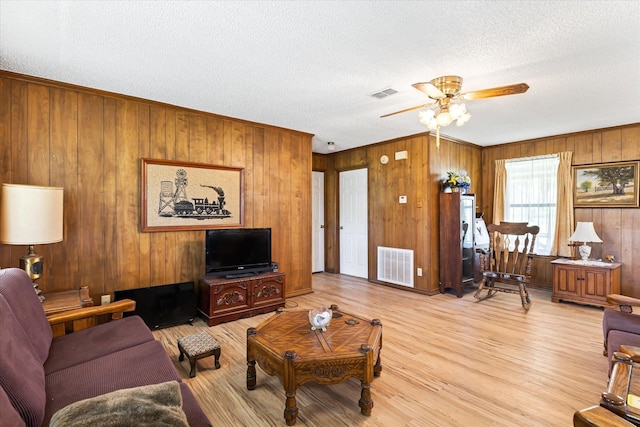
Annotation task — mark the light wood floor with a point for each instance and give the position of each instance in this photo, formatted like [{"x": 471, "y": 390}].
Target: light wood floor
[{"x": 446, "y": 362}]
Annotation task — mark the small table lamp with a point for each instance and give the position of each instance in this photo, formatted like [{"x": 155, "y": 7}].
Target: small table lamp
[
  {"x": 585, "y": 233},
  {"x": 30, "y": 215}
]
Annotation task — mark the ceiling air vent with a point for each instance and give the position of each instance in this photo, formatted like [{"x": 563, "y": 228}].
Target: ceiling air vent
[{"x": 384, "y": 93}]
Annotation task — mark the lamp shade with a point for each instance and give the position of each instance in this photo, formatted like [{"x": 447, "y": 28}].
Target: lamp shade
[
  {"x": 585, "y": 233},
  {"x": 30, "y": 214}
]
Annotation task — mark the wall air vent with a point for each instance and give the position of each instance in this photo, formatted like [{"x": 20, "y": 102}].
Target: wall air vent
[
  {"x": 395, "y": 266},
  {"x": 384, "y": 93}
]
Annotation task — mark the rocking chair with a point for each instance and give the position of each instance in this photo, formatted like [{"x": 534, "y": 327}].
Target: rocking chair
[{"x": 508, "y": 260}]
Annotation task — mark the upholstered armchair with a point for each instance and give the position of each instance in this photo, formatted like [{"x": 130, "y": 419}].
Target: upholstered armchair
[{"x": 620, "y": 325}]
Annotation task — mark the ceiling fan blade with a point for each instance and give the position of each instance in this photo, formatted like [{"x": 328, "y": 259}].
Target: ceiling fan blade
[
  {"x": 428, "y": 88},
  {"x": 407, "y": 109},
  {"x": 496, "y": 91}
]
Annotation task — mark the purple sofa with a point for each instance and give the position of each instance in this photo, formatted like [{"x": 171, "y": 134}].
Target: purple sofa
[
  {"x": 40, "y": 374},
  {"x": 619, "y": 328}
]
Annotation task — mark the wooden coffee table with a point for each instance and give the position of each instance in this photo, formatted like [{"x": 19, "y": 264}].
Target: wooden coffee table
[{"x": 284, "y": 345}]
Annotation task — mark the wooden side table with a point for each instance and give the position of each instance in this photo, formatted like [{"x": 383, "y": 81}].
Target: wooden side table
[
  {"x": 57, "y": 302},
  {"x": 585, "y": 282}
]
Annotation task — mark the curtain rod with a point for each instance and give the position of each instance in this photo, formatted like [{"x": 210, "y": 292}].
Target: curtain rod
[{"x": 524, "y": 159}]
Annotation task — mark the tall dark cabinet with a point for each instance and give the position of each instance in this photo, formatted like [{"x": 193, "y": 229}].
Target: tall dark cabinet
[{"x": 457, "y": 241}]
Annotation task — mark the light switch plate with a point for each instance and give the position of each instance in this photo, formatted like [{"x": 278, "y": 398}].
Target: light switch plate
[
  {"x": 105, "y": 299},
  {"x": 402, "y": 199}
]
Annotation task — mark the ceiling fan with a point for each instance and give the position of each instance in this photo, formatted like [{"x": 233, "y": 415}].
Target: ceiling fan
[{"x": 448, "y": 101}]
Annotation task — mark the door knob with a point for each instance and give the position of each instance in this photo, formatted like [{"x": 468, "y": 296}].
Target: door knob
[
  {"x": 341, "y": 228},
  {"x": 322, "y": 226}
]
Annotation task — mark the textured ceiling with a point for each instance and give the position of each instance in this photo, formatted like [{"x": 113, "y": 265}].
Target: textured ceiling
[{"x": 312, "y": 65}]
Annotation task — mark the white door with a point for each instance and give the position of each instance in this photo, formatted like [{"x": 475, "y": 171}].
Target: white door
[
  {"x": 353, "y": 223},
  {"x": 317, "y": 221}
]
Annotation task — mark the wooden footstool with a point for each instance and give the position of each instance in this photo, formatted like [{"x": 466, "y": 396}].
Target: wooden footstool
[{"x": 196, "y": 347}]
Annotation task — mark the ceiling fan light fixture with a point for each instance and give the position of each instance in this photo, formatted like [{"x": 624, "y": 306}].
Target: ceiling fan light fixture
[
  {"x": 447, "y": 108},
  {"x": 427, "y": 118},
  {"x": 447, "y": 114},
  {"x": 457, "y": 110},
  {"x": 463, "y": 119},
  {"x": 425, "y": 115},
  {"x": 445, "y": 91},
  {"x": 444, "y": 118}
]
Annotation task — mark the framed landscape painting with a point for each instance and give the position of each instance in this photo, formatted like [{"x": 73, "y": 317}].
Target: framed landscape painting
[
  {"x": 606, "y": 185},
  {"x": 190, "y": 196}
]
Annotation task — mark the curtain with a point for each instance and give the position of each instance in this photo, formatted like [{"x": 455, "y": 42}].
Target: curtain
[
  {"x": 564, "y": 213},
  {"x": 532, "y": 196},
  {"x": 499, "y": 191}
]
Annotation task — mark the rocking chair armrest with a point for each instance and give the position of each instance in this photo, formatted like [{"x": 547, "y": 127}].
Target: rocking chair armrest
[{"x": 626, "y": 303}]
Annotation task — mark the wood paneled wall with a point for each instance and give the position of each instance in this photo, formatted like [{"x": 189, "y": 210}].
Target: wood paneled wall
[
  {"x": 413, "y": 225},
  {"x": 617, "y": 227},
  {"x": 90, "y": 142},
  {"x": 419, "y": 177}
]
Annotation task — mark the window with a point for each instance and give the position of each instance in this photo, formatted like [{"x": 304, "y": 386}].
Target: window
[{"x": 532, "y": 196}]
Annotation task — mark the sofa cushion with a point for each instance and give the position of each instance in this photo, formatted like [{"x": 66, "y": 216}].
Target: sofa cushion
[
  {"x": 9, "y": 417},
  {"x": 21, "y": 373},
  {"x": 143, "y": 364},
  {"x": 621, "y": 321},
  {"x": 17, "y": 288},
  {"x": 145, "y": 406},
  {"x": 100, "y": 340}
]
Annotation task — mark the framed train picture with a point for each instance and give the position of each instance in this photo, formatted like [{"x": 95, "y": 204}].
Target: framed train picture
[{"x": 179, "y": 196}]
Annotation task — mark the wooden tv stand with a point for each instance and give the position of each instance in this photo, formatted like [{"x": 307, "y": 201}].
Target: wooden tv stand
[{"x": 223, "y": 300}]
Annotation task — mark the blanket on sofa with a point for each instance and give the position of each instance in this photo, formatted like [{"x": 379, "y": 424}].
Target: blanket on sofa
[{"x": 147, "y": 406}]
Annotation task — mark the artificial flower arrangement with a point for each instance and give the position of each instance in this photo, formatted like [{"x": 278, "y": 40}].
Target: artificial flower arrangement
[{"x": 458, "y": 179}]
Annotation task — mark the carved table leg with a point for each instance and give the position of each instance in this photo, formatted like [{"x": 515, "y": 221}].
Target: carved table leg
[
  {"x": 251, "y": 374},
  {"x": 377, "y": 368},
  {"x": 290, "y": 409},
  {"x": 289, "y": 380},
  {"x": 251, "y": 362},
  {"x": 365, "y": 402}
]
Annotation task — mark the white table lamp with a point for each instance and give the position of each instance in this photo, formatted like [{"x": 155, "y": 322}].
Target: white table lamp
[
  {"x": 585, "y": 233},
  {"x": 31, "y": 215}
]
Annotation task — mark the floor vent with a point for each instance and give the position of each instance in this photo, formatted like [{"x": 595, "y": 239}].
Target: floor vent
[{"x": 395, "y": 266}]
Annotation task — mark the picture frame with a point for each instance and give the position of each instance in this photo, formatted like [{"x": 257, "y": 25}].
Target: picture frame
[
  {"x": 606, "y": 185},
  {"x": 183, "y": 196}
]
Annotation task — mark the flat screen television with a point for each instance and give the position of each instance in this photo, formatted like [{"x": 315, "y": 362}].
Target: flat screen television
[
  {"x": 237, "y": 252},
  {"x": 162, "y": 306}
]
